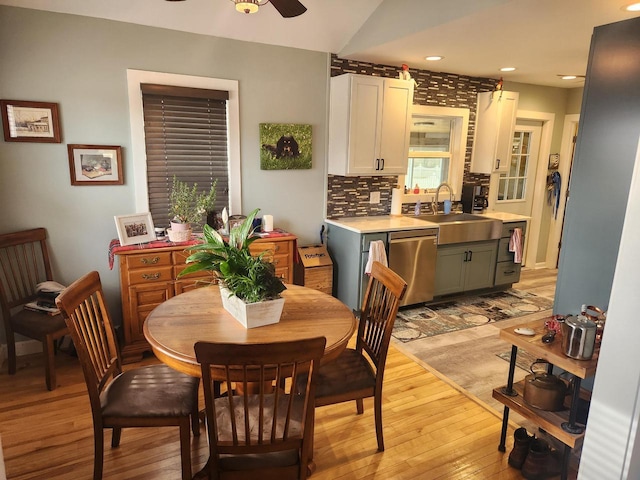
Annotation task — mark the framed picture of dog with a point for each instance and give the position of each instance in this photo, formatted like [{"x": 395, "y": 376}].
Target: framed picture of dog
[{"x": 285, "y": 146}]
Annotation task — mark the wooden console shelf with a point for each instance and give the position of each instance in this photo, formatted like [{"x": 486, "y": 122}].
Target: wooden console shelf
[
  {"x": 551, "y": 422},
  {"x": 562, "y": 424},
  {"x": 148, "y": 277}
]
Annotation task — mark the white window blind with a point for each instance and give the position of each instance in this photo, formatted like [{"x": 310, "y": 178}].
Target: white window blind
[{"x": 186, "y": 136}]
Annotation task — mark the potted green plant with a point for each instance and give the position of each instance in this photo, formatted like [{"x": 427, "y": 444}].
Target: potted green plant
[
  {"x": 249, "y": 285},
  {"x": 187, "y": 205}
]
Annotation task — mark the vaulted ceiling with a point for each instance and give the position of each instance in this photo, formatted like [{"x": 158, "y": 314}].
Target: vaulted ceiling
[{"x": 543, "y": 39}]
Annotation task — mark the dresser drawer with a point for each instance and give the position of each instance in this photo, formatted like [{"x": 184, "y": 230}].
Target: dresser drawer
[
  {"x": 157, "y": 259},
  {"x": 150, "y": 274},
  {"x": 272, "y": 248},
  {"x": 283, "y": 274}
]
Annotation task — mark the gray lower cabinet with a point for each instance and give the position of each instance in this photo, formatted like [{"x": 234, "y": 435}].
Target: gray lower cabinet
[
  {"x": 507, "y": 271},
  {"x": 465, "y": 266},
  {"x": 350, "y": 251}
]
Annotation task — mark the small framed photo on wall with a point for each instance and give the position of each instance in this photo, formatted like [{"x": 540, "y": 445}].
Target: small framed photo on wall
[
  {"x": 135, "y": 228},
  {"x": 24, "y": 121},
  {"x": 95, "y": 164}
]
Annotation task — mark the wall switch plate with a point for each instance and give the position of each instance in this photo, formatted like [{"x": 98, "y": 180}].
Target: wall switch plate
[{"x": 374, "y": 197}]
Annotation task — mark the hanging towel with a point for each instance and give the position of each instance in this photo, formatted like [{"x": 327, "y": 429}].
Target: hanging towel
[
  {"x": 376, "y": 254},
  {"x": 515, "y": 245}
]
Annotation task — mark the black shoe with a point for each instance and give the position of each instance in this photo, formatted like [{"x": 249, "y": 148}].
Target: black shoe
[
  {"x": 521, "y": 444},
  {"x": 541, "y": 461}
]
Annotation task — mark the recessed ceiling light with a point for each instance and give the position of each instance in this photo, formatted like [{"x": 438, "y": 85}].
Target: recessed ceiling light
[
  {"x": 507, "y": 69},
  {"x": 569, "y": 77},
  {"x": 634, "y": 7},
  {"x": 433, "y": 58}
]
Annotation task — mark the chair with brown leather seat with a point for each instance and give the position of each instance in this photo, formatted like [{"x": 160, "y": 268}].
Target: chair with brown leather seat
[
  {"x": 24, "y": 263},
  {"x": 261, "y": 429},
  {"x": 149, "y": 396},
  {"x": 358, "y": 373}
]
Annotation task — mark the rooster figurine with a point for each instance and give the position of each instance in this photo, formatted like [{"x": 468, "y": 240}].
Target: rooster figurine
[{"x": 405, "y": 75}]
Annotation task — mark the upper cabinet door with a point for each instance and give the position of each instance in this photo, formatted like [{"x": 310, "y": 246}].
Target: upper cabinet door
[
  {"x": 495, "y": 123},
  {"x": 369, "y": 125},
  {"x": 396, "y": 126}
]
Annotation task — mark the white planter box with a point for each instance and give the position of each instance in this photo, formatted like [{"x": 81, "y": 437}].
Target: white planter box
[{"x": 252, "y": 315}]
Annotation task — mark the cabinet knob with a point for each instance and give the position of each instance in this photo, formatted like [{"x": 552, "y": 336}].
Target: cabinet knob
[{"x": 150, "y": 261}]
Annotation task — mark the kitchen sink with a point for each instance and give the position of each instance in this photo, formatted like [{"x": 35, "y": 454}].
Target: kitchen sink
[{"x": 464, "y": 227}]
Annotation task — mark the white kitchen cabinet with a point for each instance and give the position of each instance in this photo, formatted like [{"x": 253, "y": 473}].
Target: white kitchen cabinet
[
  {"x": 495, "y": 124},
  {"x": 369, "y": 125}
]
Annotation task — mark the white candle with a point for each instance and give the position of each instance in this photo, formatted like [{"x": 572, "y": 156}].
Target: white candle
[{"x": 267, "y": 223}]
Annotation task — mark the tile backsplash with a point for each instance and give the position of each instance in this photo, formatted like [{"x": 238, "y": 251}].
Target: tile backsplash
[{"x": 349, "y": 196}]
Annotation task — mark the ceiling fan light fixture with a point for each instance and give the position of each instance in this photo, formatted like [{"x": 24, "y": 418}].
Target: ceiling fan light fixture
[{"x": 248, "y": 6}]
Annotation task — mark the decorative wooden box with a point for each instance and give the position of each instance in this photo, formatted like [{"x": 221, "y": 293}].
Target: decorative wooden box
[{"x": 315, "y": 268}]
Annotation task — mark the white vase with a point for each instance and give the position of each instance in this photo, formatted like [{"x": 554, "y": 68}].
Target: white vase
[{"x": 252, "y": 315}]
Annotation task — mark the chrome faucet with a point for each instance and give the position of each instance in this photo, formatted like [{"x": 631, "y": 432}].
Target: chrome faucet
[{"x": 443, "y": 184}]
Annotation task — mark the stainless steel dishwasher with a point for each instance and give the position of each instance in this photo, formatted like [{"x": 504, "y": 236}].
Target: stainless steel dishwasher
[{"x": 412, "y": 255}]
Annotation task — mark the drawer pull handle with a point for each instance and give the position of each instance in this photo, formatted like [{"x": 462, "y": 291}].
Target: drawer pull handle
[
  {"x": 151, "y": 276},
  {"x": 277, "y": 248},
  {"x": 150, "y": 261},
  {"x": 510, "y": 272}
]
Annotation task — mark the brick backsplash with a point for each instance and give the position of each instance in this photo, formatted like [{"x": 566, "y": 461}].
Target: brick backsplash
[{"x": 349, "y": 196}]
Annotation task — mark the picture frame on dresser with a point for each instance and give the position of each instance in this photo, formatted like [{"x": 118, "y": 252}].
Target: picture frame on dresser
[
  {"x": 26, "y": 121},
  {"x": 95, "y": 164},
  {"x": 135, "y": 228}
]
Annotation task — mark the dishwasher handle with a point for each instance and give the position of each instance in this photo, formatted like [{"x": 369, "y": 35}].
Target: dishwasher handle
[
  {"x": 434, "y": 238},
  {"x": 413, "y": 234}
]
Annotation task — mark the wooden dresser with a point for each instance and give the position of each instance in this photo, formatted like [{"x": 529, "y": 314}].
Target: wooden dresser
[{"x": 148, "y": 277}]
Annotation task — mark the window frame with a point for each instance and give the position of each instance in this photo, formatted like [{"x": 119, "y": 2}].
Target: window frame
[
  {"x": 459, "y": 135},
  {"x": 136, "y": 118}
]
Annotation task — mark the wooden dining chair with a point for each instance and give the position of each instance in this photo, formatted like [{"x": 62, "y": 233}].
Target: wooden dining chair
[
  {"x": 24, "y": 263},
  {"x": 260, "y": 428},
  {"x": 358, "y": 373},
  {"x": 149, "y": 396}
]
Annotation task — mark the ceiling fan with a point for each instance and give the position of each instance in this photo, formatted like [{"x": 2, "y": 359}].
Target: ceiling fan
[{"x": 286, "y": 8}]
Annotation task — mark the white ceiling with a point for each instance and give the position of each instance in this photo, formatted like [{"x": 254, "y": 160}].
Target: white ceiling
[{"x": 542, "y": 38}]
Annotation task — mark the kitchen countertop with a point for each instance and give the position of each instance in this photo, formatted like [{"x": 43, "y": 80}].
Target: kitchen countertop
[
  {"x": 506, "y": 217},
  {"x": 392, "y": 223},
  {"x": 380, "y": 223}
]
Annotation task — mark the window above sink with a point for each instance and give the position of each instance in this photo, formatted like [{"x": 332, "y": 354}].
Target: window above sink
[{"x": 436, "y": 151}]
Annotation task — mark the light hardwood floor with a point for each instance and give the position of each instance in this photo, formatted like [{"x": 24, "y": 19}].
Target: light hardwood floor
[{"x": 432, "y": 431}]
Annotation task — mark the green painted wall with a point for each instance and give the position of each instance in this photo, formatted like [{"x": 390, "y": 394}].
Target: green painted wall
[{"x": 81, "y": 63}]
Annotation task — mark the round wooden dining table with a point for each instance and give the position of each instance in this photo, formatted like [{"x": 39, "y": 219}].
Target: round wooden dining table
[{"x": 174, "y": 326}]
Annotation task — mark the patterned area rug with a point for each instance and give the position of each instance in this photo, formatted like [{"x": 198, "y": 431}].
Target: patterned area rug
[{"x": 414, "y": 323}]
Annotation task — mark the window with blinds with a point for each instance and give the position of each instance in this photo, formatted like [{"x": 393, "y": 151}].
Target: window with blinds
[{"x": 186, "y": 136}]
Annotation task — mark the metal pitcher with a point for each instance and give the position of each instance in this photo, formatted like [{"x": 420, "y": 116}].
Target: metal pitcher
[{"x": 578, "y": 337}]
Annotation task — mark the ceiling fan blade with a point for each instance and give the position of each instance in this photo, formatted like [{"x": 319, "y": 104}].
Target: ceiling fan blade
[{"x": 289, "y": 8}]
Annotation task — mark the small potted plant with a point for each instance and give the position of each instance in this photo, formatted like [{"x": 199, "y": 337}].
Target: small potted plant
[
  {"x": 249, "y": 285},
  {"x": 186, "y": 206}
]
